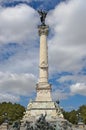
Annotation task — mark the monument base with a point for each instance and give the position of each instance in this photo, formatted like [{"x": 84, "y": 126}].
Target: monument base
[
  {"x": 36, "y": 108},
  {"x": 44, "y": 122}
]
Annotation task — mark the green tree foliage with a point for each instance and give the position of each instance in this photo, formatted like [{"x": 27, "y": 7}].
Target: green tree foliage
[
  {"x": 72, "y": 115},
  {"x": 11, "y": 112},
  {"x": 82, "y": 110},
  {"x": 15, "y": 112}
]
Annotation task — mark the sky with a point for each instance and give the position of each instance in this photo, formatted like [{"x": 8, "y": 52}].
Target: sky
[{"x": 19, "y": 50}]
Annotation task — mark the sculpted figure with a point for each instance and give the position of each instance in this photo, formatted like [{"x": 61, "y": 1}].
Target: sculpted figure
[
  {"x": 16, "y": 125},
  {"x": 42, "y": 16}
]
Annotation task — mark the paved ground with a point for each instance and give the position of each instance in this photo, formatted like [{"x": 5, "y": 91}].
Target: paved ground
[{"x": 79, "y": 128}]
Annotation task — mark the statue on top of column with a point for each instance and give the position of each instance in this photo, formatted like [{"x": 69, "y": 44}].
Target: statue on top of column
[{"x": 42, "y": 16}]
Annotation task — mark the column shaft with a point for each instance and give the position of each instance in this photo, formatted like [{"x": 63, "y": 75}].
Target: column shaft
[
  {"x": 43, "y": 62},
  {"x": 43, "y": 66}
]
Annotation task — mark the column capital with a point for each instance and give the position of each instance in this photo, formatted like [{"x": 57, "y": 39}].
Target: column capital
[{"x": 43, "y": 30}]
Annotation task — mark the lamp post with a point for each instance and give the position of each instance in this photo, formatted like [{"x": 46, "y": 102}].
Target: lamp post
[
  {"x": 5, "y": 125},
  {"x": 80, "y": 121},
  {"x": 5, "y": 117},
  {"x": 79, "y": 118}
]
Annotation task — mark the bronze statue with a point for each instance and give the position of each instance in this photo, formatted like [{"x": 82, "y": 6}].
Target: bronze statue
[{"x": 42, "y": 16}]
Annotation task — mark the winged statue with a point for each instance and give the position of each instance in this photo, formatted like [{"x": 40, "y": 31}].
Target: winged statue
[{"x": 42, "y": 16}]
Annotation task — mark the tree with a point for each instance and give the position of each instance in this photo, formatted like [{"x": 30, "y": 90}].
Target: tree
[
  {"x": 82, "y": 111},
  {"x": 14, "y": 112},
  {"x": 72, "y": 115}
]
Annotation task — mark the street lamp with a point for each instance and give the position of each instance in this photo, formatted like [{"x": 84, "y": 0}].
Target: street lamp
[
  {"x": 5, "y": 117},
  {"x": 80, "y": 120}
]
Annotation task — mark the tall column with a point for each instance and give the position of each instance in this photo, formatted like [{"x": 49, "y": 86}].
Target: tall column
[
  {"x": 43, "y": 62},
  {"x": 43, "y": 87}
]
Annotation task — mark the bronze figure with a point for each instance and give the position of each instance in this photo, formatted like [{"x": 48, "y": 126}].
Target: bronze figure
[{"x": 42, "y": 16}]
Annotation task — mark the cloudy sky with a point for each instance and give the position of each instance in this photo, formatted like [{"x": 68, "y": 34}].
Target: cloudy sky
[{"x": 19, "y": 50}]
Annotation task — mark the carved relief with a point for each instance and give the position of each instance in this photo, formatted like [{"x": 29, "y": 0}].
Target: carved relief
[
  {"x": 43, "y": 65},
  {"x": 43, "y": 30}
]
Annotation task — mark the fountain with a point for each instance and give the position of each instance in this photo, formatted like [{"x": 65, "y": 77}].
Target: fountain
[{"x": 42, "y": 124}]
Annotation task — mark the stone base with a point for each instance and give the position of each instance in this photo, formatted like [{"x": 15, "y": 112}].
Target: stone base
[
  {"x": 81, "y": 125},
  {"x": 4, "y": 126},
  {"x": 57, "y": 124},
  {"x": 43, "y": 104},
  {"x": 43, "y": 92},
  {"x": 36, "y": 108}
]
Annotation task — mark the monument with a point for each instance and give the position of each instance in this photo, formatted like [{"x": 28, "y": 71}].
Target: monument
[{"x": 43, "y": 103}]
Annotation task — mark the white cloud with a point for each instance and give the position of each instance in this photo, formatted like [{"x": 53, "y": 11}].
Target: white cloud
[
  {"x": 59, "y": 95},
  {"x": 67, "y": 46},
  {"x": 74, "y": 78},
  {"x": 10, "y": 1},
  {"x": 17, "y": 78},
  {"x": 5, "y": 97},
  {"x": 24, "y": 61},
  {"x": 17, "y": 84},
  {"x": 18, "y": 24},
  {"x": 78, "y": 88}
]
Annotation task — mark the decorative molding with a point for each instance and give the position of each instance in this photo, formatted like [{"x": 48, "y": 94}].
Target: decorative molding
[
  {"x": 41, "y": 101},
  {"x": 43, "y": 88},
  {"x": 43, "y": 65},
  {"x": 43, "y": 30},
  {"x": 42, "y": 109}
]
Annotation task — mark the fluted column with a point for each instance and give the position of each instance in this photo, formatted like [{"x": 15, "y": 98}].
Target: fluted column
[{"x": 43, "y": 62}]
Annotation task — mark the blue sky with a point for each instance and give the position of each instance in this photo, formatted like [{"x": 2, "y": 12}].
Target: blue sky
[{"x": 19, "y": 50}]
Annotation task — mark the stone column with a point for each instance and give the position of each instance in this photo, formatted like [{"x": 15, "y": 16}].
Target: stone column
[
  {"x": 43, "y": 87},
  {"x": 43, "y": 65}
]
